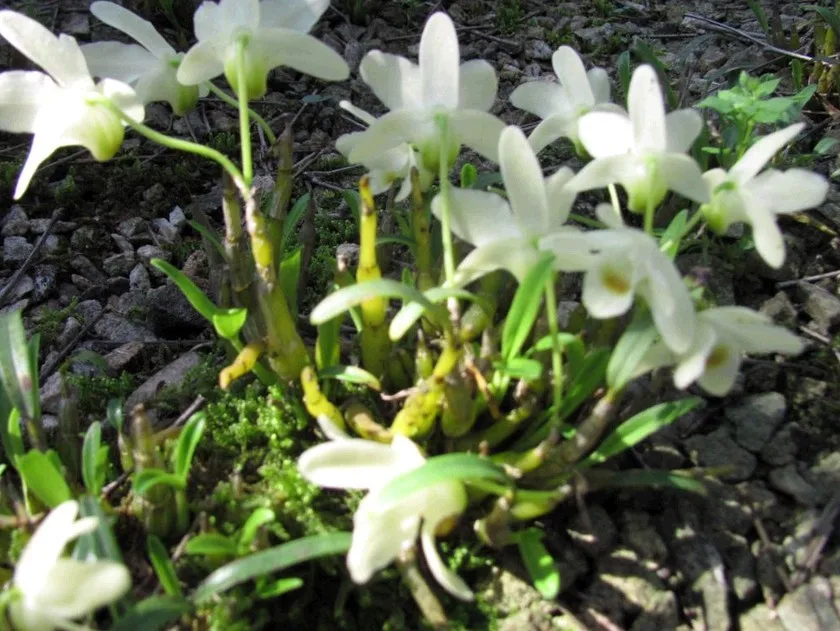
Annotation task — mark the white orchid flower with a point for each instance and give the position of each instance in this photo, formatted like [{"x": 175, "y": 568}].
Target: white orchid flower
[
  {"x": 506, "y": 234},
  {"x": 722, "y": 336},
  {"x": 562, "y": 105},
  {"x": 744, "y": 194},
  {"x": 271, "y": 33},
  {"x": 383, "y": 532},
  {"x": 619, "y": 263},
  {"x": 418, "y": 93},
  {"x": 388, "y": 167},
  {"x": 63, "y": 107},
  {"x": 53, "y": 590},
  {"x": 149, "y": 66},
  {"x": 643, "y": 150}
]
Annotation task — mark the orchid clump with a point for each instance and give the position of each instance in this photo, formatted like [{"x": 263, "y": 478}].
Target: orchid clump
[{"x": 471, "y": 399}]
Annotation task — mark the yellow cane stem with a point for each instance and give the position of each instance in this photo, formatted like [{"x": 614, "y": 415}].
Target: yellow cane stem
[
  {"x": 419, "y": 412},
  {"x": 458, "y": 415},
  {"x": 242, "y": 365},
  {"x": 361, "y": 420},
  {"x": 315, "y": 401},
  {"x": 374, "y": 338}
]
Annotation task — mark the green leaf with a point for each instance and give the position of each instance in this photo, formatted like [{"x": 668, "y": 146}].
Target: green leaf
[
  {"x": 12, "y": 436},
  {"x": 396, "y": 239},
  {"x": 197, "y": 298},
  {"x": 291, "y": 221},
  {"x": 211, "y": 238},
  {"x": 211, "y": 544},
  {"x": 636, "y": 429},
  {"x": 657, "y": 478},
  {"x": 328, "y": 347},
  {"x": 354, "y": 203},
  {"x": 525, "y": 307},
  {"x": 454, "y": 467},
  {"x": 273, "y": 589},
  {"x": 255, "y": 521},
  {"x": 469, "y": 175},
  {"x": 228, "y": 322},
  {"x": 164, "y": 569},
  {"x": 571, "y": 344},
  {"x": 826, "y": 144},
  {"x": 39, "y": 473},
  {"x": 153, "y": 614},
  {"x": 630, "y": 349},
  {"x": 149, "y": 478},
  {"x": 624, "y": 71},
  {"x": 270, "y": 561},
  {"x": 115, "y": 414},
  {"x": 352, "y": 374},
  {"x": 187, "y": 442},
  {"x": 345, "y": 298},
  {"x": 16, "y": 374},
  {"x": 521, "y": 368},
  {"x": 829, "y": 16},
  {"x": 289, "y": 277},
  {"x": 93, "y": 462},
  {"x": 99, "y": 544},
  {"x": 34, "y": 370},
  {"x": 540, "y": 565},
  {"x": 413, "y": 311},
  {"x": 670, "y": 239}
]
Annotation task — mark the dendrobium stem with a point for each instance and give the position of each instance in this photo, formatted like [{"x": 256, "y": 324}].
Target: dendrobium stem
[
  {"x": 244, "y": 120},
  {"x": 556, "y": 350}
]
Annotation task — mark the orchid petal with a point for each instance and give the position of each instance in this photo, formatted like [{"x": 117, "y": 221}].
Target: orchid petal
[
  {"x": 202, "y": 62},
  {"x": 670, "y": 303},
  {"x": 394, "y": 80},
  {"x": 45, "y": 546},
  {"x": 543, "y": 98},
  {"x": 719, "y": 377},
  {"x": 207, "y": 23},
  {"x": 43, "y": 146},
  {"x": 524, "y": 182},
  {"x": 604, "y": 171},
  {"x": 610, "y": 216},
  {"x": 478, "y": 217},
  {"x": 60, "y": 56},
  {"x": 354, "y": 463},
  {"x": 298, "y": 15},
  {"x": 693, "y": 363},
  {"x": 789, "y": 191},
  {"x": 608, "y": 289},
  {"x": 358, "y": 112},
  {"x": 330, "y": 429},
  {"x": 386, "y": 133},
  {"x": 605, "y": 134},
  {"x": 239, "y": 13},
  {"x": 74, "y": 588},
  {"x": 574, "y": 81},
  {"x": 571, "y": 250},
  {"x": 681, "y": 130},
  {"x": 517, "y": 256},
  {"x": 599, "y": 82},
  {"x": 477, "y": 85},
  {"x": 304, "y": 53},
  {"x": 22, "y": 95},
  {"x": 115, "y": 60},
  {"x": 769, "y": 241},
  {"x": 379, "y": 537},
  {"x": 447, "y": 579},
  {"x": 552, "y": 128},
  {"x": 138, "y": 29},
  {"x": 560, "y": 199},
  {"x": 439, "y": 62},
  {"x": 480, "y": 131},
  {"x": 647, "y": 110},
  {"x": 683, "y": 176},
  {"x": 762, "y": 152},
  {"x": 657, "y": 356},
  {"x": 754, "y": 331}
]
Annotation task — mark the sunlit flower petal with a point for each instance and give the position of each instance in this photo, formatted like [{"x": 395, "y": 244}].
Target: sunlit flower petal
[
  {"x": 299, "y": 15},
  {"x": 138, "y": 29},
  {"x": 759, "y": 154},
  {"x": 647, "y": 110},
  {"x": 477, "y": 85},
  {"x": 439, "y": 60},
  {"x": 394, "y": 80}
]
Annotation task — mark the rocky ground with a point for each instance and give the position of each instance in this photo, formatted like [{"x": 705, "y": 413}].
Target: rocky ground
[{"x": 759, "y": 552}]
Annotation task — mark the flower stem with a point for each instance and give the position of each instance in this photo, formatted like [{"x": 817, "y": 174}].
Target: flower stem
[
  {"x": 689, "y": 226},
  {"x": 177, "y": 144},
  {"x": 244, "y": 120},
  {"x": 443, "y": 176},
  {"x": 224, "y": 96}
]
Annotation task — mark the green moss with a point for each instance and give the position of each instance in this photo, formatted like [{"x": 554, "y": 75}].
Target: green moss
[
  {"x": 50, "y": 322},
  {"x": 94, "y": 392}
]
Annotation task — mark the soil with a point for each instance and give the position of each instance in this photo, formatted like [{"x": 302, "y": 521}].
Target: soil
[{"x": 759, "y": 552}]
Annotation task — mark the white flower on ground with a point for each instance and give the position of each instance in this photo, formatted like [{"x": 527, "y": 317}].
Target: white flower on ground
[
  {"x": 561, "y": 106},
  {"x": 619, "y": 263},
  {"x": 63, "y": 107},
  {"x": 54, "y": 590},
  {"x": 722, "y": 336},
  {"x": 271, "y": 33},
  {"x": 744, "y": 194},
  {"x": 149, "y": 66},
  {"x": 438, "y": 86},
  {"x": 383, "y": 532},
  {"x": 388, "y": 167},
  {"x": 644, "y": 150},
  {"x": 506, "y": 233}
]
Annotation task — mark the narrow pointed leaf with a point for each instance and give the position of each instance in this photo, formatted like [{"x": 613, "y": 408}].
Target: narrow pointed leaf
[
  {"x": 163, "y": 567},
  {"x": 16, "y": 375},
  {"x": 255, "y": 521},
  {"x": 413, "y": 311},
  {"x": 539, "y": 563},
  {"x": 153, "y": 614},
  {"x": 12, "y": 436},
  {"x": 149, "y": 478},
  {"x": 93, "y": 463},
  {"x": 270, "y": 561},
  {"x": 197, "y": 298},
  {"x": 228, "y": 322},
  {"x": 525, "y": 307},
  {"x": 211, "y": 544},
  {"x": 630, "y": 349},
  {"x": 207, "y": 234},
  {"x": 187, "y": 442},
  {"x": 352, "y": 374},
  {"x": 292, "y": 220},
  {"x": 657, "y": 478},
  {"x": 99, "y": 544},
  {"x": 41, "y": 476}
]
